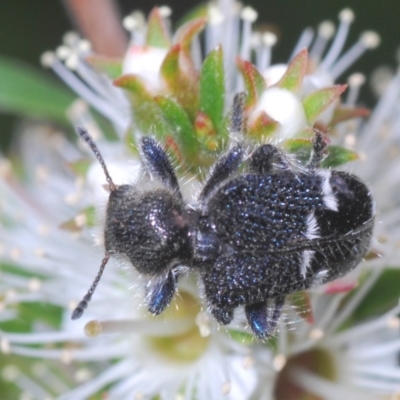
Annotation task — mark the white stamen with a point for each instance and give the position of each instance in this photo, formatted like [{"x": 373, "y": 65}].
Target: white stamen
[
  {"x": 346, "y": 18},
  {"x": 72, "y": 62},
  {"x": 359, "y": 295},
  {"x": 92, "y": 98},
  {"x": 83, "y": 375},
  {"x": 355, "y": 81},
  {"x": 84, "y": 46},
  {"x": 203, "y": 322},
  {"x": 47, "y": 59},
  {"x": 248, "y": 362},
  {"x": 165, "y": 11},
  {"x": 226, "y": 388},
  {"x": 303, "y": 42},
  {"x": 71, "y": 38},
  {"x": 248, "y": 15},
  {"x": 394, "y": 322},
  {"x": 279, "y": 362},
  {"x": 66, "y": 356},
  {"x": 34, "y": 284},
  {"x": 368, "y": 40},
  {"x": 326, "y": 30},
  {"x": 5, "y": 347},
  {"x": 10, "y": 373},
  {"x": 130, "y": 23},
  {"x": 63, "y": 52},
  {"x": 215, "y": 16},
  {"x": 356, "y": 333},
  {"x": 151, "y": 327},
  {"x": 264, "y": 52},
  {"x": 316, "y": 334},
  {"x": 269, "y": 39}
]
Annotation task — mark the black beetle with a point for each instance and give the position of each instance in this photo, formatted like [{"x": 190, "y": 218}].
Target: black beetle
[{"x": 255, "y": 235}]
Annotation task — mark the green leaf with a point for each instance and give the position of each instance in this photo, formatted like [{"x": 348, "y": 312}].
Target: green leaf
[
  {"x": 181, "y": 127},
  {"x": 212, "y": 87},
  {"x": 317, "y": 102},
  {"x": 30, "y": 93},
  {"x": 157, "y": 32},
  {"x": 293, "y": 77},
  {"x": 338, "y": 156},
  {"x": 383, "y": 296},
  {"x": 253, "y": 80}
]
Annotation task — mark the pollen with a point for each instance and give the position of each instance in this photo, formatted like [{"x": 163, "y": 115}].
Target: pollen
[
  {"x": 226, "y": 388},
  {"x": 316, "y": 334},
  {"x": 93, "y": 328},
  {"x": 279, "y": 362}
]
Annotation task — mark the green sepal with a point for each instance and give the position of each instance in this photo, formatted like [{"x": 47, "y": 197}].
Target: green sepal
[
  {"x": 212, "y": 89},
  {"x": 182, "y": 86},
  {"x": 28, "y": 92},
  {"x": 148, "y": 118},
  {"x": 157, "y": 32},
  {"x": 170, "y": 67},
  {"x": 186, "y": 33},
  {"x": 261, "y": 127},
  {"x": 134, "y": 85},
  {"x": 112, "y": 67},
  {"x": 317, "y": 102},
  {"x": 338, "y": 155},
  {"x": 198, "y": 11},
  {"x": 181, "y": 127},
  {"x": 205, "y": 132},
  {"x": 294, "y": 75},
  {"x": 253, "y": 80},
  {"x": 342, "y": 114}
]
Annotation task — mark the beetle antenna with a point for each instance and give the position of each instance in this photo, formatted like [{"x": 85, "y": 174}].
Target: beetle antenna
[
  {"x": 80, "y": 308},
  {"x": 83, "y": 133}
]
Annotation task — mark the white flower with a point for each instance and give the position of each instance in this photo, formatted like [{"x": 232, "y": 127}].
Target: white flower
[{"x": 183, "y": 354}]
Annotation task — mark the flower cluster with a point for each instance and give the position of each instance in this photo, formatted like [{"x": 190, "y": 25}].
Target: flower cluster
[{"x": 338, "y": 341}]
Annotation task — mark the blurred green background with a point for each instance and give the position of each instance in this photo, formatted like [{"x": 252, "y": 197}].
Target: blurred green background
[{"x": 27, "y": 28}]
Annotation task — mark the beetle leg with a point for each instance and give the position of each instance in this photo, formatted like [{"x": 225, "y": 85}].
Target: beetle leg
[
  {"x": 222, "y": 170},
  {"x": 224, "y": 317},
  {"x": 158, "y": 163},
  {"x": 318, "y": 154},
  {"x": 160, "y": 293},
  {"x": 261, "y": 323},
  {"x": 266, "y": 159}
]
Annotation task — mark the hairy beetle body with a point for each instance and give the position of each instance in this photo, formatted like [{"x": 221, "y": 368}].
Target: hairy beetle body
[{"x": 254, "y": 237}]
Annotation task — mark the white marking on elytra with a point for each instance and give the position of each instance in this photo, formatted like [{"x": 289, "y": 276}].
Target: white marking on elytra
[
  {"x": 320, "y": 277},
  {"x": 306, "y": 258},
  {"x": 312, "y": 231},
  {"x": 329, "y": 198}
]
